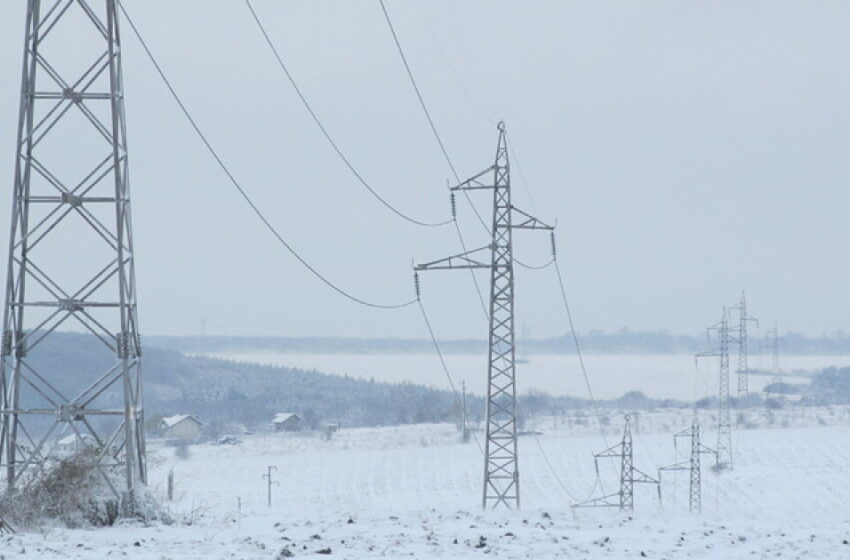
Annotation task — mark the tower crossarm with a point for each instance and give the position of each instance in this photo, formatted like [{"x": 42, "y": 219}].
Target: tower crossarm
[
  {"x": 468, "y": 259},
  {"x": 683, "y": 466},
  {"x": 611, "y": 500},
  {"x": 477, "y": 182},
  {"x": 523, "y": 220},
  {"x": 638, "y": 476},
  {"x": 706, "y": 450},
  {"x": 613, "y": 451},
  {"x": 707, "y": 354}
]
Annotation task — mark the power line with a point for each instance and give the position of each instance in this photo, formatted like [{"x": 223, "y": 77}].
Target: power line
[
  {"x": 418, "y": 92},
  {"x": 445, "y": 153},
  {"x": 239, "y": 187},
  {"x": 443, "y": 363},
  {"x": 451, "y": 67},
  {"x": 428, "y": 113},
  {"x": 486, "y": 228},
  {"x": 325, "y": 132},
  {"x": 472, "y": 274},
  {"x": 534, "y": 267},
  {"x": 578, "y": 350},
  {"x": 522, "y": 177}
]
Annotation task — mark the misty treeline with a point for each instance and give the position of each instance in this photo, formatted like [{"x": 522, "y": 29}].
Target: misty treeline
[
  {"x": 830, "y": 386},
  {"x": 223, "y": 393},
  {"x": 623, "y": 341}
]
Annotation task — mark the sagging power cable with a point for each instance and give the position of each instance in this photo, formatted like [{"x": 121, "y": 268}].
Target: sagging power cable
[
  {"x": 254, "y": 208},
  {"x": 325, "y": 132},
  {"x": 428, "y": 113},
  {"x": 443, "y": 361}
]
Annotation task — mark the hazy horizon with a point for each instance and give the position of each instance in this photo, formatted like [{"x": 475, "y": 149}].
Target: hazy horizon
[{"x": 687, "y": 151}]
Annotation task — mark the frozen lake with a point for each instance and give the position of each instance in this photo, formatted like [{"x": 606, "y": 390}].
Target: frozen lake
[{"x": 661, "y": 376}]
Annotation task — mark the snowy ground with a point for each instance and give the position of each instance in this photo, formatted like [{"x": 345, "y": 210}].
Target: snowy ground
[{"x": 414, "y": 491}]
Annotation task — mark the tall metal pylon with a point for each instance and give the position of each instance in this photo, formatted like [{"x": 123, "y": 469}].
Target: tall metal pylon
[
  {"x": 692, "y": 465},
  {"x": 774, "y": 336},
  {"x": 629, "y": 475},
  {"x": 501, "y": 460},
  {"x": 743, "y": 366},
  {"x": 724, "y": 419},
  {"x": 71, "y": 259}
]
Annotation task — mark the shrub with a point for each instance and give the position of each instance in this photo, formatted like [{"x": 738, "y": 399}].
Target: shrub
[{"x": 71, "y": 491}]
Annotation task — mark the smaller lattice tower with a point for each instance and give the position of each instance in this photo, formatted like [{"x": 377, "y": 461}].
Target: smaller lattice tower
[
  {"x": 724, "y": 417},
  {"x": 629, "y": 475},
  {"x": 741, "y": 332},
  {"x": 692, "y": 465}
]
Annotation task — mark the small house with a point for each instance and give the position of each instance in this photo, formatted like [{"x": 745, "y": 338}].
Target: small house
[
  {"x": 184, "y": 427},
  {"x": 73, "y": 444},
  {"x": 286, "y": 422}
]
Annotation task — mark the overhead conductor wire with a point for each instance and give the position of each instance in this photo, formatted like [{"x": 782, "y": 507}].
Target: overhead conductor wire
[
  {"x": 324, "y": 130},
  {"x": 484, "y": 225},
  {"x": 442, "y": 148},
  {"x": 242, "y": 191}
]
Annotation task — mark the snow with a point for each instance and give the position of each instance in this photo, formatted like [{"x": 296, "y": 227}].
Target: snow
[
  {"x": 72, "y": 439},
  {"x": 171, "y": 421},
  {"x": 414, "y": 491},
  {"x": 282, "y": 417}
]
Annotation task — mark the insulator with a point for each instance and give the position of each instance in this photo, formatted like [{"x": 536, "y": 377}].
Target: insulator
[
  {"x": 596, "y": 465},
  {"x": 416, "y": 283},
  {"x": 6, "y": 347},
  {"x": 454, "y": 206},
  {"x": 121, "y": 345},
  {"x": 21, "y": 349},
  {"x": 554, "y": 247}
]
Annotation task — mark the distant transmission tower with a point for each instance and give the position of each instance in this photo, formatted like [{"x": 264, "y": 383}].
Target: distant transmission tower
[
  {"x": 501, "y": 465},
  {"x": 693, "y": 465},
  {"x": 629, "y": 475},
  {"x": 71, "y": 255},
  {"x": 774, "y": 335},
  {"x": 724, "y": 420},
  {"x": 743, "y": 366}
]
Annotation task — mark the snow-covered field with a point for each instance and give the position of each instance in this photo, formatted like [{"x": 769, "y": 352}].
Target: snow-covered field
[
  {"x": 660, "y": 376},
  {"x": 414, "y": 491}
]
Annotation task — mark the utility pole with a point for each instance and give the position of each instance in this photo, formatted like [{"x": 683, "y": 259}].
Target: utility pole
[
  {"x": 743, "y": 366},
  {"x": 693, "y": 465},
  {"x": 463, "y": 422},
  {"x": 501, "y": 465},
  {"x": 71, "y": 258},
  {"x": 270, "y": 482},
  {"x": 724, "y": 420},
  {"x": 629, "y": 474}
]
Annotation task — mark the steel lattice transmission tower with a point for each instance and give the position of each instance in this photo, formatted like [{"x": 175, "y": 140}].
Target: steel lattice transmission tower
[
  {"x": 71, "y": 260},
  {"x": 774, "y": 339},
  {"x": 629, "y": 474},
  {"x": 743, "y": 366},
  {"x": 692, "y": 465},
  {"x": 501, "y": 465},
  {"x": 724, "y": 418}
]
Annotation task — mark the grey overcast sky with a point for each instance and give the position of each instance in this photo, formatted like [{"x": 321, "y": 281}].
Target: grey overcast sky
[{"x": 686, "y": 149}]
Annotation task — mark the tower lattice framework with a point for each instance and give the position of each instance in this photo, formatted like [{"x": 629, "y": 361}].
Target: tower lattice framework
[
  {"x": 629, "y": 474},
  {"x": 71, "y": 259},
  {"x": 692, "y": 465},
  {"x": 743, "y": 364},
  {"x": 724, "y": 415},
  {"x": 501, "y": 462}
]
